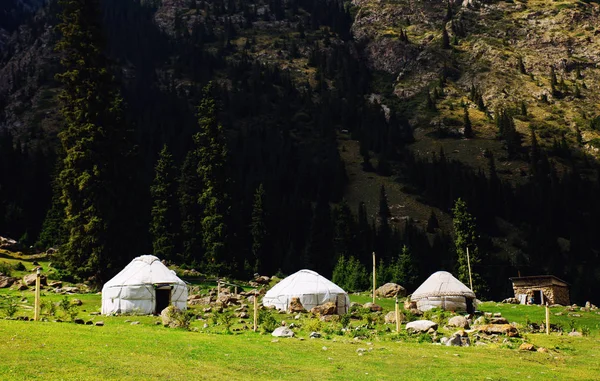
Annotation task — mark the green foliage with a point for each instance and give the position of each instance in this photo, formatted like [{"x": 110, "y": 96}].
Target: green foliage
[
  {"x": 48, "y": 308},
  {"x": 19, "y": 266},
  {"x": 6, "y": 268},
  {"x": 226, "y": 318},
  {"x": 163, "y": 213},
  {"x": 345, "y": 320},
  {"x": 267, "y": 321},
  {"x": 445, "y": 38},
  {"x": 313, "y": 325},
  {"x": 258, "y": 229},
  {"x": 467, "y": 124},
  {"x": 350, "y": 274},
  {"x": 10, "y": 304},
  {"x": 68, "y": 309},
  {"x": 466, "y": 237}
]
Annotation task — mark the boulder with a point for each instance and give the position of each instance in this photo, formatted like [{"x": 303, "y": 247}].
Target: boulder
[
  {"x": 55, "y": 284},
  {"x": 315, "y": 335},
  {"x": 421, "y": 326},
  {"x": 296, "y": 306},
  {"x": 390, "y": 317},
  {"x": 328, "y": 308},
  {"x": 262, "y": 279},
  {"x": 575, "y": 334},
  {"x": 330, "y": 318},
  {"x": 76, "y": 302},
  {"x": 100, "y": 323},
  {"x": 283, "y": 332},
  {"x": 499, "y": 320},
  {"x": 168, "y": 317},
  {"x": 242, "y": 315},
  {"x": 409, "y": 304},
  {"x": 499, "y": 329},
  {"x": 29, "y": 280},
  {"x": 390, "y": 290},
  {"x": 373, "y": 307},
  {"x": 511, "y": 301},
  {"x": 454, "y": 341},
  {"x": 458, "y": 321},
  {"x": 21, "y": 287},
  {"x": 6, "y": 281},
  {"x": 355, "y": 305},
  {"x": 527, "y": 347}
]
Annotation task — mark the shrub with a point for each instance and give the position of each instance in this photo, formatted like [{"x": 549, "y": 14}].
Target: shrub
[
  {"x": 48, "y": 308},
  {"x": 19, "y": 267},
  {"x": 313, "y": 325},
  {"x": 226, "y": 318},
  {"x": 5, "y": 268},
  {"x": 10, "y": 305},
  {"x": 267, "y": 321},
  {"x": 345, "y": 320},
  {"x": 69, "y": 310}
]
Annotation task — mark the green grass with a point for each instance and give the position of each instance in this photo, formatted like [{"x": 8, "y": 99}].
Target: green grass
[{"x": 119, "y": 350}]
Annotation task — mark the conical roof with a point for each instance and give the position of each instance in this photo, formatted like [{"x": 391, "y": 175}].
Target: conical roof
[
  {"x": 145, "y": 269},
  {"x": 304, "y": 282},
  {"x": 442, "y": 283}
]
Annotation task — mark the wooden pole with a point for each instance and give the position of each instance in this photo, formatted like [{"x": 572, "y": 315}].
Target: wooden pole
[
  {"x": 36, "y": 312},
  {"x": 235, "y": 290},
  {"x": 218, "y": 287},
  {"x": 255, "y": 311},
  {"x": 397, "y": 316},
  {"x": 547, "y": 319},
  {"x": 469, "y": 265},
  {"x": 374, "y": 278}
]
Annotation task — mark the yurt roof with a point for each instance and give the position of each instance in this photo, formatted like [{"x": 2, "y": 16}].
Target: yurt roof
[
  {"x": 305, "y": 282},
  {"x": 442, "y": 283},
  {"x": 145, "y": 269}
]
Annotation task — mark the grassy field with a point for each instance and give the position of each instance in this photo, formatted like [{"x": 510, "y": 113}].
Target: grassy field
[{"x": 147, "y": 350}]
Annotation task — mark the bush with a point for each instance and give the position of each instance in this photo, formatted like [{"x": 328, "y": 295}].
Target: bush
[
  {"x": 69, "y": 310},
  {"x": 226, "y": 318},
  {"x": 10, "y": 305},
  {"x": 48, "y": 308},
  {"x": 19, "y": 267},
  {"x": 267, "y": 321},
  {"x": 5, "y": 268},
  {"x": 313, "y": 325}
]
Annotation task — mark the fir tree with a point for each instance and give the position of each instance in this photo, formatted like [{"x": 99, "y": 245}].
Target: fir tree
[
  {"x": 468, "y": 132},
  {"x": 97, "y": 147},
  {"x": 258, "y": 228},
  {"x": 212, "y": 171},
  {"x": 163, "y": 213},
  {"x": 432, "y": 222},
  {"x": 189, "y": 188},
  {"x": 445, "y": 38},
  {"x": 465, "y": 237},
  {"x": 407, "y": 271}
]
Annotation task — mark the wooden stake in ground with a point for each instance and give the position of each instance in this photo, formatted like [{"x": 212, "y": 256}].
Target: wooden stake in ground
[
  {"x": 36, "y": 312},
  {"x": 374, "y": 280},
  {"x": 218, "y": 288},
  {"x": 547, "y": 319},
  {"x": 397, "y": 316},
  {"x": 469, "y": 265},
  {"x": 255, "y": 311}
]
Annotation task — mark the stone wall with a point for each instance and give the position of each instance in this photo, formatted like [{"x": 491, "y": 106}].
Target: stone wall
[{"x": 553, "y": 294}]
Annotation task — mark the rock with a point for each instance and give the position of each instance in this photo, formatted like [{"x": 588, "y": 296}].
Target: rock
[
  {"x": 314, "y": 335},
  {"x": 22, "y": 287},
  {"x": 283, "y": 332},
  {"x": 71, "y": 290},
  {"x": 89, "y": 322},
  {"x": 390, "y": 317},
  {"x": 296, "y": 305},
  {"x": 360, "y": 350},
  {"x": 499, "y": 329},
  {"x": 499, "y": 320},
  {"x": 355, "y": 305},
  {"x": 416, "y": 312},
  {"x": 480, "y": 321},
  {"x": 100, "y": 323},
  {"x": 454, "y": 341},
  {"x": 168, "y": 317},
  {"x": 242, "y": 315},
  {"x": 76, "y": 302},
  {"x": 373, "y": 307},
  {"x": 6, "y": 281},
  {"x": 328, "y": 308},
  {"x": 409, "y": 304},
  {"x": 330, "y": 318},
  {"x": 458, "y": 321},
  {"x": 135, "y": 323},
  {"x": 390, "y": 290},
  {"x": 511, "y": 301},
  {"x": 29, "y": 280},
  {"x": 79, "y": 321},
  {"x": 575, "y": 334},
  {"x": 497, "y": 314},
  {"x": 527, "y": 347},
  {"x": 207, "y": 309},
  {"x": 55, "y": 284},
  {"x": 421, "y": 326},
  {"x": 542, "y": 350},
  {"x": 262, "y": 279}
]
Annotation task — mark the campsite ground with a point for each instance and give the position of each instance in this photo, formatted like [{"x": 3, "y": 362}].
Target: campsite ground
[{"x": 144, "y": 350}]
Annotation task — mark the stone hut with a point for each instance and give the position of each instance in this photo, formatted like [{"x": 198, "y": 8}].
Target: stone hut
[{"x": 541, "y": 289}]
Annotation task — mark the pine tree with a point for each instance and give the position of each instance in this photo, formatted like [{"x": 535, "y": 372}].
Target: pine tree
[
  {"x": 384, "y": 233},
  {"x": 320, "y": 250},
  {"x": 407, "y": 271},
  {"x": 344, "y": 230},
  {"x": 432, "y": 222},
  {"x": 97, "y": 147},
  {"x": 465, "y": 237},
  {"x": 212, "y": 171},
  {"x": 258, "y": 228},
  {"x": 445, "y": 38},
  {"x": 189, "y": 188},
  {"x": 163, "y": 213},
  {"x": 468, "y": 132}
]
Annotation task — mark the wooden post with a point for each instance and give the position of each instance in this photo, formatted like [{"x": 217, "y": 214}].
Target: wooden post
[
  {"x": 255, "y": 311},
  {"x": 374, "y": 278},
  {"x": 547, "y": 319},
  {"x": 469, "y": 265},
  {"x": 397, "y": 316},
  {"x": 218, "y": 288},
  {"x": 36, "y": 313},
  {"x": 235, "y": 290}
]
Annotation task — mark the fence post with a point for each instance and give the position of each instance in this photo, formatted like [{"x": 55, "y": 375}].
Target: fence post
[
  {"x": 218, "y": 288},
  {"x": 374, "y": 278},
  {"x": 255, "y": 310},
  {"x": 547, "y": 319},
  {"x": 36, "y": 312},
  {"x": 397, "y": 316}
]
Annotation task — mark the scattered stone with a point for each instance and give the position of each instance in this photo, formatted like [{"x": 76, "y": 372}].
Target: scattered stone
[
  {"x": 454, "y": 341},
  {"x": 315, "y": 335},
  {"x": 390, "y": 290},
  {"x": 207, "y": 309},
  {"x": 330, "y": 318},
  {"x": 135, "y": 323},
  {"x": 360, "y": 350},
  {"x": 373, "y": 307},
  {"x": 527, "y": 347},
  {"x": 390, "y": 317},
  {"x": 157, "y": 323},
  {"x": 409, "y": 304},
  {"x": 575, "y": 334},
  {"x": 499, "y": 329},
  {"x": 262, "y": 279},
  {"x": 497, "y": 314},
  {"x": 242, "y": 315},
  {"x": 421, "y": 326},
  {"x": 416, "y": 312},
  {"x": 511, "y": 301},
  {"x": 542, "y": 350},
  {"x": 296, "y": 305},
  {"x": 283, "y": 332},
  {"x": 6, "y": 281},
  {"x": 79, "y": 321},
  {"x": 89, "y": 322},
  {"x": 355, "y": 305},
  {"x": 76, "y": 302},
  {"x": 55, "y": 284},
  {"x": 99, "y": 323},
  {"x": 458, "y": 321},
  {"x": 168, "y": 317},
  {"x": 499, "y": 320},
  {"x": 328, "y": 308},
  {"x": 22, "y": 287},
  {"x": 29, "y": 280},
  {"x": 480, "y": 321}
]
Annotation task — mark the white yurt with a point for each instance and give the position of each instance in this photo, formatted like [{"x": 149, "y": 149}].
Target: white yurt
[
  {"x": 312, "y": 289},
  {"x": 442, "y": 290},
  {"x": 144, "y": 286}
]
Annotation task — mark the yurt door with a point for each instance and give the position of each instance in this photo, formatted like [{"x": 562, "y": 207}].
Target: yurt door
[
  {"x": 342, "y": 308},
  {"x": 163, "y": 298}
]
